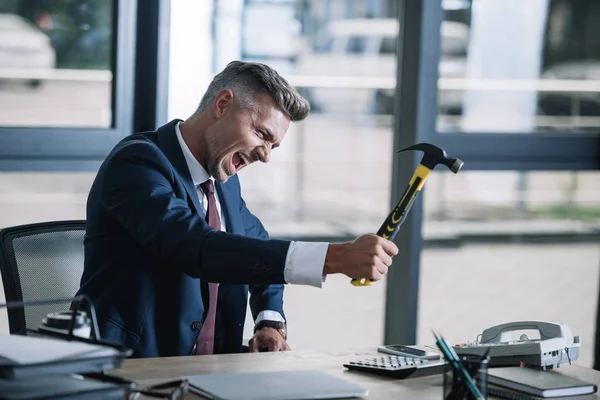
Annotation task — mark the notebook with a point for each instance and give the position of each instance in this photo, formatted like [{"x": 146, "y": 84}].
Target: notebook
[
  {"x": 538, "y": 382},
  {"x": 60, "y": 387},
  {"x": 283, "y": 385}
]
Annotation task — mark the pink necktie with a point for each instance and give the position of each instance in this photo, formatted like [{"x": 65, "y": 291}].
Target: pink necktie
[{"x": 206, "y": 338}]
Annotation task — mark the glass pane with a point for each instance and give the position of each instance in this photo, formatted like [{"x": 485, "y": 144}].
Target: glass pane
[
  {"x": 514, "y": 66},
  {"x": 512, "y": 246},
  {"x": 336, "y": 60},
  {"x": 27, "y": 198},
  {"x": 56, "y": 63},
  {"x": 331, "y": 175}
]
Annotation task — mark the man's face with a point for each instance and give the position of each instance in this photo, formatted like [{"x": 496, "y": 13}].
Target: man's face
[{"x": 241, "y": 136}]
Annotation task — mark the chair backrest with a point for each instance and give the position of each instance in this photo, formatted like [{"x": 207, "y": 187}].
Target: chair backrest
[{"x": 40, "y": 261}]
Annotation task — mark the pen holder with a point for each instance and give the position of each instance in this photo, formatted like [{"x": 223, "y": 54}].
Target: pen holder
[{"x": 454, "y": 386}]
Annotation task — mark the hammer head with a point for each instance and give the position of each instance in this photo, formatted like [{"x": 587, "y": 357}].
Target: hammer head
[{"x": 433, "y": 155}]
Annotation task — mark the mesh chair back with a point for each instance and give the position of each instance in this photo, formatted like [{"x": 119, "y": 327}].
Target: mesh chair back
[{"x": 40, "y": 262}]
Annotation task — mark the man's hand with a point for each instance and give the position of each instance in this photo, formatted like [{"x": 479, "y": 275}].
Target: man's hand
[
  {"x": 368, "y": 256},
  {"x": 267, "y": 338}
]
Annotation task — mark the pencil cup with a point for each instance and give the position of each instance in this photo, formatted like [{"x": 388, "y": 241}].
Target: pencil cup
[{"x": 454, "y": 386}]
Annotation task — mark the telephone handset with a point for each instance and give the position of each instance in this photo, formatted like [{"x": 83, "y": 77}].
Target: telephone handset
[
  {"x": 556, "y": 344},
  {"x": 547, "y": 330}
]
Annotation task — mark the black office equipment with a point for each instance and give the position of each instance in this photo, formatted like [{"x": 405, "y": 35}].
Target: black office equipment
[
  {"x": 539, "y": 382},
  {"x": 410, "y": 351},
  {"x": 476, "y": 367},
  {"x": 397, "y": 366}
]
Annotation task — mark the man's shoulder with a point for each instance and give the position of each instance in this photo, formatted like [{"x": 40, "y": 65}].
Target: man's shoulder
[
  {"x": 143, "y": 144},
  {"x": 138, "y": 139}
]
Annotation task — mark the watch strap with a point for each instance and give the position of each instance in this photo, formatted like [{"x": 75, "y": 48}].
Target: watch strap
[{"x": 277, "y": 325}]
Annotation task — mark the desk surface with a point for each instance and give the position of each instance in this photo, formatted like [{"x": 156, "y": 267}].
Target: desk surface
[{"x": 155, "y": 370}]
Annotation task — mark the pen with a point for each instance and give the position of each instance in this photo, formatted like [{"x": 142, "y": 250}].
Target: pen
[{"x": 453, "y": 359}]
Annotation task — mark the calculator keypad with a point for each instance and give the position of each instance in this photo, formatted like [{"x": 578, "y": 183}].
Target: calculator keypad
[
  {"x": 397, "y": 366},
  {"x": 389, "y": 362}
]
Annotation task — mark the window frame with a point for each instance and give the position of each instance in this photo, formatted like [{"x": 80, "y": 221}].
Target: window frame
[
  {"x": 80, "y": 149},
  {"x": 523, "y": 151}
]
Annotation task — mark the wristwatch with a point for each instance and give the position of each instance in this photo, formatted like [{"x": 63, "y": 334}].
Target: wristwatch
[{"x": 277, "y": 325}]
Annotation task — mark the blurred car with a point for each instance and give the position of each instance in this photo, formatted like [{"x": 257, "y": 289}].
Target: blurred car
[
  {"x": 366, "y": 48},
  {"x": 24, "y": 46}
]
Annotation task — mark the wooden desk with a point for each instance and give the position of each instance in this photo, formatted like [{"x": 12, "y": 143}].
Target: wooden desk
[{"x": 155, "y": 370}]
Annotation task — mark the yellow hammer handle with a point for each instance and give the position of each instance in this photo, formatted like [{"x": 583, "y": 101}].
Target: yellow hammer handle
[{"x": 390, "y": 227}]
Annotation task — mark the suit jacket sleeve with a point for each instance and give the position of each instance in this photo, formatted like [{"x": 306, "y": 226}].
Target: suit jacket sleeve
[
  {"x": 138, "y": 191},
  {"x": 262, "y": 297}
]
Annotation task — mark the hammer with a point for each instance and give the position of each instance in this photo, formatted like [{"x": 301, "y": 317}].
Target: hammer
[{"x": 432, "y": 156}]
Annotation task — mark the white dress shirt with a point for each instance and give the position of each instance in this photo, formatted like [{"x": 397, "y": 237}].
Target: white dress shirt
[{"x": 304, "y": 261}]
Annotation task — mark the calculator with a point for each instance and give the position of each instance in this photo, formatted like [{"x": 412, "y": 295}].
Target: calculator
[{"x": 398, "y": 367}]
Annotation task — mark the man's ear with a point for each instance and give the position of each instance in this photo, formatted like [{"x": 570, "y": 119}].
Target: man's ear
[{"x": 223, "y": 101}]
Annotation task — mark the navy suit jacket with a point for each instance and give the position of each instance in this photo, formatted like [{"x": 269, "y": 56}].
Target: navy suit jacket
[{"x": 149, "y": 254}]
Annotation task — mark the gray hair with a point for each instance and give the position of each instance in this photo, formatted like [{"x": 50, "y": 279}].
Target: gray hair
[{"x": 246, "y": 80}]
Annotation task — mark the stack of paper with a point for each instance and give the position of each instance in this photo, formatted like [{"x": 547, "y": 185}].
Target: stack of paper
[{"x": 24, "y": 356}]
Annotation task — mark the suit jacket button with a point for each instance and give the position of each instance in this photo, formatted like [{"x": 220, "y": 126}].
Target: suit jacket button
[{"x": 196, "y": 326}]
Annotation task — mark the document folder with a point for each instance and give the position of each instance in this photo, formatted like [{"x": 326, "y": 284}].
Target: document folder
[{"x": 25, "y": 357}]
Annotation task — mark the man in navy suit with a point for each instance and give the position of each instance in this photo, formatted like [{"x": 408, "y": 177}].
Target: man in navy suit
[{"x": 172, "y": 251}]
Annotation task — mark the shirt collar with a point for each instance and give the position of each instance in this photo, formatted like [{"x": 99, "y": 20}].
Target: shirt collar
[{"x": 197, "y": 171}]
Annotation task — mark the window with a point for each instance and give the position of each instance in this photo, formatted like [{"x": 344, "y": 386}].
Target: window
[
  {"x": 66, "y": 92},
  {"x": 516, "y": 67},
  {"x": 388, "y": 45},
  {"x": 67, "y": 83},
  {"x": 348, "y": 133},
  {"x": 522, "y": 181},
  {"x": 57, "y": 63}
]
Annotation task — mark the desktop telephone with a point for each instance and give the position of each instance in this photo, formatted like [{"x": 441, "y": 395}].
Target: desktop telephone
[{"x": 555, "y": 345}]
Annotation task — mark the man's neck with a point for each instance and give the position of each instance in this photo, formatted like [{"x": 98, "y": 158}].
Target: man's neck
[{"x": 193, "y": 131}]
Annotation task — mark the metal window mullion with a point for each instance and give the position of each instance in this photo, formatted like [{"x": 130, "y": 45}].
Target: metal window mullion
[{"x": 414, "y": 120}]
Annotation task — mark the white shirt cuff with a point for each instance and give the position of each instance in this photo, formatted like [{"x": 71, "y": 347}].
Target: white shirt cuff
[
  {"x": 304, "y": 263},
  {"x": 269, "y": 315}
]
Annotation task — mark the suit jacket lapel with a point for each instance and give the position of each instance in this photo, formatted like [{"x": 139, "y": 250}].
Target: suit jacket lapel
[{"x": 167, "y": 141}]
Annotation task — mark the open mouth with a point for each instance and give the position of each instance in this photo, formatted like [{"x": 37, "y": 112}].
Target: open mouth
[{"x": 239, "y": 161}]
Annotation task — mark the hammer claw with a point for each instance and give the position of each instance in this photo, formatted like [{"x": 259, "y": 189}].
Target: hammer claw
[{"x": 432, "y": 156}]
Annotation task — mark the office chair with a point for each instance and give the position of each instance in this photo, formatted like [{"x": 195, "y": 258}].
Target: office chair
[{"x": 40, "y": 261}]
